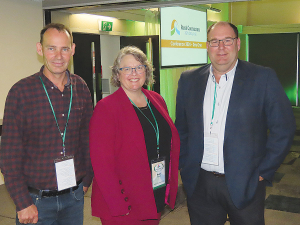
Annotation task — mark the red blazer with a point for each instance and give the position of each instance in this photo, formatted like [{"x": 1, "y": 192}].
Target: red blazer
[{"x": 122, "y": 178}]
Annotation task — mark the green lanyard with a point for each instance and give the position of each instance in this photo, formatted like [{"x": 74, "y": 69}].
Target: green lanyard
[
  {"x": 63, "y": 136},
  {"x": 156, "y": 130},
  {"x": 214, "y": 104}
]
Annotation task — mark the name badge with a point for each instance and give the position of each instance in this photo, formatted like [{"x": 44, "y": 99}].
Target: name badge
[
  {"x": 211, "y": 149},
  {"x": 65, "y": 172},
  {"x": 158, "y": 171}
]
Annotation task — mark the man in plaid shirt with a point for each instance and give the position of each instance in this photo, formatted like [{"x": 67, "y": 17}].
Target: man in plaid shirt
[{"x": 44, "y": 153}]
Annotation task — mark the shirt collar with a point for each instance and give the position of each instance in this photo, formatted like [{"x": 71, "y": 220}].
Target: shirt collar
[
  {"x": 47, "y": 80},
  {"x": 228, "y": 75}
]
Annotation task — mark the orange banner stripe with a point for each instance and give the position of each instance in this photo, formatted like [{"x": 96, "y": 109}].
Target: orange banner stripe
[{"x": 182, "y": 44}]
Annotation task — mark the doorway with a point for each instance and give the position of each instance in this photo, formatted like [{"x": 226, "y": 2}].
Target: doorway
[{"x": 83, "y": 64}]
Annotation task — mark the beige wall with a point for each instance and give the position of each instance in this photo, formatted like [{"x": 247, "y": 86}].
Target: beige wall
[
  {"x": 20, "y": 22},
  {"x": 265, "y": 12},
  {"x": 85, "y": 23}
]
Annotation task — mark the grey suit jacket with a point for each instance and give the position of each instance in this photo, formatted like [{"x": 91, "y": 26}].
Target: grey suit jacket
[{"x": 259, "y": 129}]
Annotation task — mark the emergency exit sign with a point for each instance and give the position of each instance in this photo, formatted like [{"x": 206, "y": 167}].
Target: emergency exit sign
[{"x": 106, "y": 26}]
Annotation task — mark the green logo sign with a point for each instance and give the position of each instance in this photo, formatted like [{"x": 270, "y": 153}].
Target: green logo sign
[{"x": 106, "y": 26}]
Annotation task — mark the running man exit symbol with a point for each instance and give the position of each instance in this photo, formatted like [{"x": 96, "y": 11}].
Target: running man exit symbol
[{"x": 106, "y": 26}]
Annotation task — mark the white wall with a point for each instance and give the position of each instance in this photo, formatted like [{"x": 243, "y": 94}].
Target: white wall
[{"x": 20, "y": 22}]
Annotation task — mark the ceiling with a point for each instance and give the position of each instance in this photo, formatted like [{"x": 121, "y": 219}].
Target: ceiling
[
  {"x": 126, "y": 4},
  {"x": 123, "y": 9}
]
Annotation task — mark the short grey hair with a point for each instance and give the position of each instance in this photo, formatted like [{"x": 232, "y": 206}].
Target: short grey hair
[{"x": 140, "y": 56}]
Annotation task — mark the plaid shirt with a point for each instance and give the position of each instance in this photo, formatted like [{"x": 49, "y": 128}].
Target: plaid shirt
[{"x": 31, "y": 140}]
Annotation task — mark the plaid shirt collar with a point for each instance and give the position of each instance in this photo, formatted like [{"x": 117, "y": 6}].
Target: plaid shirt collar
[{"x": 49, "y": 82}]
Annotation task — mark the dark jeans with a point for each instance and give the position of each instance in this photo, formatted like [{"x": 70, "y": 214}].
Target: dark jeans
[
  {"x": 211, "y": 203},
  {"x": 66, "y": 209}
]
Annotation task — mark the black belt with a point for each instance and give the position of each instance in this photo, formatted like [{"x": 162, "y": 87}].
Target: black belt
[
  {"x": 49, "y": 193},
  {"x": 216, "y": 174}
]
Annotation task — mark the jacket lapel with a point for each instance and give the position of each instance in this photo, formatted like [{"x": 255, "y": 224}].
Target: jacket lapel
[
  {"x": 235, "y": 97},
  {"x": 198, "y": 96},
  {"x": 131, "y": 122}
]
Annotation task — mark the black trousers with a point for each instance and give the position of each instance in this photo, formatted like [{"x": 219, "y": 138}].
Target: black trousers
[{"x": 210, "y": 203}]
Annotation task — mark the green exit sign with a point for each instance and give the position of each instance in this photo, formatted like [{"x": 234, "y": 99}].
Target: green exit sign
[{"x": 106, "y": 26}]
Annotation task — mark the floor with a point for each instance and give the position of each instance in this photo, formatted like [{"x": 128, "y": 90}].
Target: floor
[{"x": 282, "y": 200}]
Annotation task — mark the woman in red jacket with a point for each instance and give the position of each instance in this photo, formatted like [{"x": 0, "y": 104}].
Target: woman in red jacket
[{"x": 134, "y": 147}]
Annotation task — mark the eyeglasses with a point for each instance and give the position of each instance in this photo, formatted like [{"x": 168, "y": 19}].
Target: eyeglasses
[
  {"x": 138, "y": 69},
  {"x": 226, "y": 42}
]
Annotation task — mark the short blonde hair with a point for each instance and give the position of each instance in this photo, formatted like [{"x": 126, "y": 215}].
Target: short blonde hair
[{"x": 140, "y": 56}]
